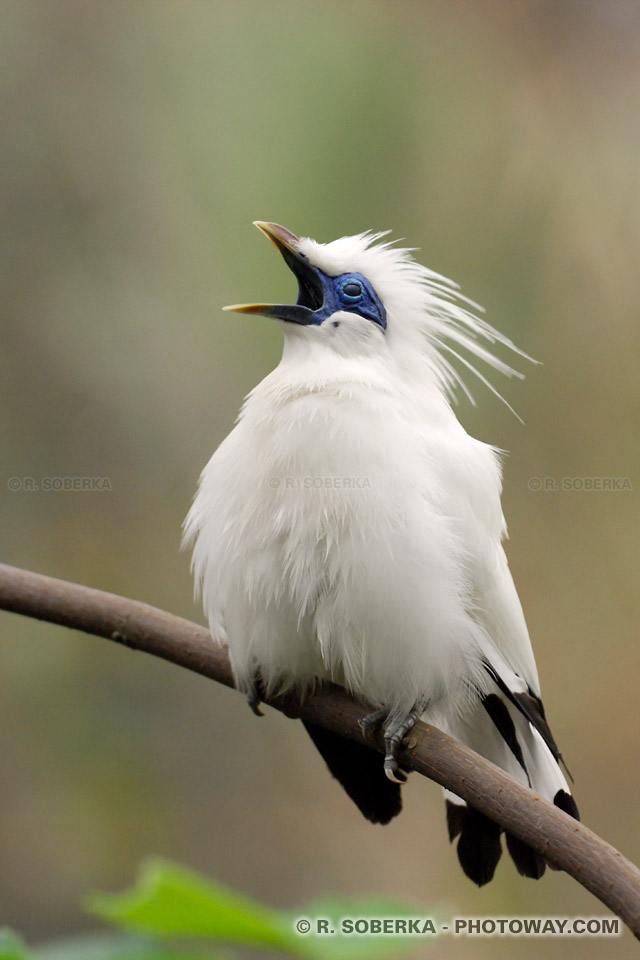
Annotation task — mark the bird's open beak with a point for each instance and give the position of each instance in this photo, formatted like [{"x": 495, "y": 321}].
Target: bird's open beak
[{"x": 310, "y": 287}]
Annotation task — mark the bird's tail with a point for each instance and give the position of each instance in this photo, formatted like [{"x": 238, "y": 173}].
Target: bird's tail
[{"x": 509, "y": 728}]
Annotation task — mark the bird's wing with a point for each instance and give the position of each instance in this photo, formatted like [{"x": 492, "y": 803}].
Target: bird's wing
[
  {"x": 469, "y": 483},
  {"x": 507, "y": 726},
  {"x": 501, "y": 613}
]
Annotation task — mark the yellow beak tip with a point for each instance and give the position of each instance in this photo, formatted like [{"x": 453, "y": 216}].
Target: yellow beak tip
[{"x": 257, "y": 309}]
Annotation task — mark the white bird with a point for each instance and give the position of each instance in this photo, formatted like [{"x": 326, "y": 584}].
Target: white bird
[{"x": 349, "y": 529}]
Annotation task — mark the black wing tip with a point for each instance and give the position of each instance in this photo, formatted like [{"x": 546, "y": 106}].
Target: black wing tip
[
  {"x": 565, "y": 802},
  {"x": 360, "y": 771},
  {"x": 530, "y": 706},
  {"x": 499, "y": 713},
  {"x": 383, "y": 801},
  {"x": 382, "y": 813}
]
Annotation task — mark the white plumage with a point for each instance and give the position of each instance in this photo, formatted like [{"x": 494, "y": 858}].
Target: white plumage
[{"x": 348, "y": 528}]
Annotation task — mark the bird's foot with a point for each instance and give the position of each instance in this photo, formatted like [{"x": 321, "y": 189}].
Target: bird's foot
[
  {"x": 254, "y": 696},
  {"x": 396, "y": 726},
  {"x": 372, "y": 720}
]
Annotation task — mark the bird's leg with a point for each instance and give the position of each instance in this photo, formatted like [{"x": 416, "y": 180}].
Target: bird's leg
[
  {"x": 372, "y": 720},
  {"x": 395, "y": 731},
  {"x": 254, "y": 695},
  {"x": 396, "y": 727}
]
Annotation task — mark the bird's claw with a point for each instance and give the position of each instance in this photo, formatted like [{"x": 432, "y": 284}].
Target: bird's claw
[
  {"x": 396, "y": 727},
  {"x": 371, "y": 721},
  {"x": 254, "y": 696},
  {"x": 392, "y": 770},
  {"x": 254, "y": 703}
]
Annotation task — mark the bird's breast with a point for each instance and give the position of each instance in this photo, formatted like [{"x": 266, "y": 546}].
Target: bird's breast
[{"x": 324, "y": 551}]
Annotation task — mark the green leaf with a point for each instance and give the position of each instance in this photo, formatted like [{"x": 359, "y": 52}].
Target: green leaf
[
  {"x": 171, "y": 901},
  {"x": 338, "y": 945},
  {"x": 114, "y": 947},
  {"x": 12, "y": 947}
]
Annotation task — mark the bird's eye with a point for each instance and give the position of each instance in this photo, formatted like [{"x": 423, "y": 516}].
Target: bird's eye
[{"x": 351, "y": 291}]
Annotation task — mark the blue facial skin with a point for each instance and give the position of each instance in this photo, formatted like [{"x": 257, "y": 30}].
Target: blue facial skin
[
  {"x": 351, "y": 292},
  {"x": 320, "y": 296}
]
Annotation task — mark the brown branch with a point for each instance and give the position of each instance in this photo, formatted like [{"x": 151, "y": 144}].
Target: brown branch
[{"x": 566, "y": 843}]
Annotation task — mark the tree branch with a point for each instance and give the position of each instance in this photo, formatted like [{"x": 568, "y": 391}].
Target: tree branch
[{"x": 568, "y": 844}]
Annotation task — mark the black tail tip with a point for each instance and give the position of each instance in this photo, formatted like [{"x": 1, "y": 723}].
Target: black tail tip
[
  {"x": 528, "y": 862},
  {"x": 479, "y": 847}
]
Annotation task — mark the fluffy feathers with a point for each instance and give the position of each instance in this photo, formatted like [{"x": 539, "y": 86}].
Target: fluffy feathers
[{"x": 348, "y": 528}]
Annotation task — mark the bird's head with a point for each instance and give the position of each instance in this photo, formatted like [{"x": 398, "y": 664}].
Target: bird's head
[
  {"x": 358, "y": 294},
  {"x": 337, "y": 304}
]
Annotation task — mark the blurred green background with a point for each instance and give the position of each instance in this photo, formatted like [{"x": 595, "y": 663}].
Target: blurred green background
[{"x": 139, "y": 140}]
